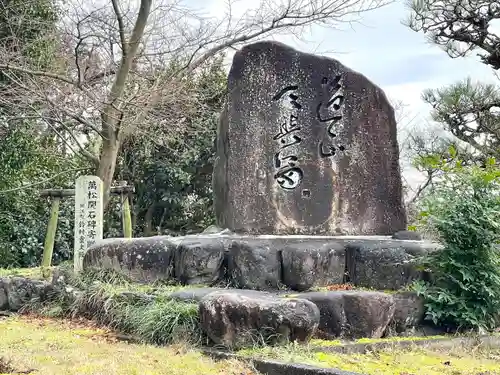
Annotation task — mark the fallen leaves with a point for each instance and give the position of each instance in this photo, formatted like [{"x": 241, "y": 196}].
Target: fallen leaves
[
  {"x": 7, "y": 368},
  {"x": 339, "y": 287},
  {"x": 79, "y": 326}
]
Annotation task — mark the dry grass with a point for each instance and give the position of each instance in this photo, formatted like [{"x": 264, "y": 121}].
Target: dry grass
[{"x": 52, "y": 347}]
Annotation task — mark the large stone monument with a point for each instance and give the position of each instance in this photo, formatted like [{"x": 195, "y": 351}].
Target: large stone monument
[{"x": 305, "y": 146}]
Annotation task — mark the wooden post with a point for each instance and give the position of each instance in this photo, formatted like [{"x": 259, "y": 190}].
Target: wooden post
[
  {"x": 126, "y": 217},
  {"x": 80, "y": 232},
  {"x": 48, "y": 247}
]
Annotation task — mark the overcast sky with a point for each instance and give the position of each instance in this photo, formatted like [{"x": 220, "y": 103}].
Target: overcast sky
[{"x": 393, "y": 56}]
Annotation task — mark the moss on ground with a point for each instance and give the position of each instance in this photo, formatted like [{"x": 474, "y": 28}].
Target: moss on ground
[
  {"x": 393, "y": 339},
  {"x": 414, "y": 360},
  {"x": 60, "y": 347}
]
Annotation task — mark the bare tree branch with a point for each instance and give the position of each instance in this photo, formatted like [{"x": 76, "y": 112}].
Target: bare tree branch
[
  {"x": 118, "y": 86},
  {"x": 422, "y": 188},
  {"x": 43, "y": 181},
  {"x": 38, "y": 73},
  {"x": 121, "y": 27}
]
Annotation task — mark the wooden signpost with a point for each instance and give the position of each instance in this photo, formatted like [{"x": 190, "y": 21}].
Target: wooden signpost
[
  {"x": 88, "y": 216},
  {"x": 88, "y": 229}
]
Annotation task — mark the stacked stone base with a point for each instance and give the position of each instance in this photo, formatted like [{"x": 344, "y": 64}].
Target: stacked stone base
[
  {"x": 242, "y": 318},
  {"x": 297, "y": 263},
  {"x": 276, "y": 288},
  {"x": 264, "y": 272}
]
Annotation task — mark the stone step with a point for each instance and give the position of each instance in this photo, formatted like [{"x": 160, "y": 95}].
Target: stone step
[
  {"x": 242, "y": 318},
  {"x": 345, "y": 314}
]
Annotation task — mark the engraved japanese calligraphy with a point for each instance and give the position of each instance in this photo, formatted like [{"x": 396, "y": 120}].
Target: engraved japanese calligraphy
[
  {"x": 288, "y": 174},
  {"x": 333, "y": 90}
]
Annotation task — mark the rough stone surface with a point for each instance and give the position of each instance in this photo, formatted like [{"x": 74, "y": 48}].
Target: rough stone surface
[
  {"x": 282, "y": 368},
  {"x": 61, "y": 276},
  {"x": 305, "y": 145},
  {"x": 238, "y": 320},
  {"x": 352, "y": 314},
  {"x": 266, "y": 262},
  {"x": 193, "y": 294},
  {"x": 214, "y": 229},
  {"x": 198, "y": 260},
  {"x": 409, "y": 311},
  {"x": 407, "y": 235},
  {"x": 268, "y": 366},
  {"x": 145, "y": 259},
  {"x": 20, "y": 290},
  {"x": 197, "y": 294},
  {"x": 254, "y": 264},
  {"x": 311, "y": 264},
  {"x": 189, "y": 259},
  {"x": 385, "y": 265},
  {"x": 4, "y": 301}
]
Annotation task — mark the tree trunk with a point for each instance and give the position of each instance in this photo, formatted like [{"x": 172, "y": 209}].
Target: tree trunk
[
  {"x": 113, "y": 112},
  {"x": 107, "y": 165}
]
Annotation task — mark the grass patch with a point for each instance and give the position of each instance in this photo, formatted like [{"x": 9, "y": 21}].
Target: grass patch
[
  {"x": 316, "y": 343},
  {"x": 415, "y": 360},
  {"x": 60, "y": 347},
  {"x": 402, "y": 338},
  {"x": 120, "y": 281},
  {"x": 30, "y": 273},
  {"x": 143, "y": 312},
  {"x": 157, "y": 320}
]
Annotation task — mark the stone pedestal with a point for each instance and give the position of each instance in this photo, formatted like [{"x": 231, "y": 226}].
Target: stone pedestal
[{"x": 264, "y": 262}]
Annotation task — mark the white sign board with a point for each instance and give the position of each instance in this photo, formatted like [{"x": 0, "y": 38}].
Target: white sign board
[{"x": 88, "y": 216}]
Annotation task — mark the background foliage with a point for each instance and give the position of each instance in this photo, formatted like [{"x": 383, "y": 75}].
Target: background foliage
[
  {"x": 25, "y": 157},
  {"x": 464, "y": 214}
]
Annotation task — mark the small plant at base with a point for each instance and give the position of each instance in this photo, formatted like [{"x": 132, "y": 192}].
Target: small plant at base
[
  {"x": 464, "y": 210},
  {"x": 92, "y": 275},
  {"x": 166, "y": 321}
]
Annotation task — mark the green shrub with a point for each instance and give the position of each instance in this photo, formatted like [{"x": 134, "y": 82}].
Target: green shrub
[{"x": 464, "y": 211}]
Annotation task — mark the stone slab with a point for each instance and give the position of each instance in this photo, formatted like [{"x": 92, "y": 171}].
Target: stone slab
[
  {"x": 242, "y": 320},
  {"x": 145, "y": 259},
  {"x": 409, "y": 311},
  {"x": 352, "y": 314},
  {"x": 197, "y": 294},
  {"x": 272, "y": 367},
  {"x": 387, "y": 264},
  {"x": 305, "y": 145}
]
